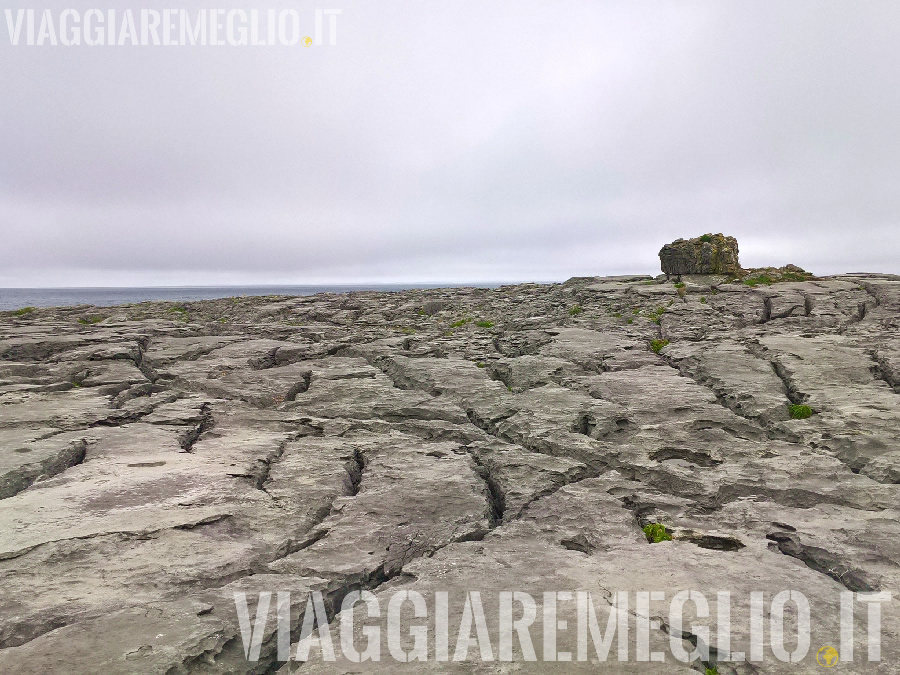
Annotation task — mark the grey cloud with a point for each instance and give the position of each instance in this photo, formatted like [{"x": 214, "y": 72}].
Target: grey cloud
[{"x": 458, "y": 141}]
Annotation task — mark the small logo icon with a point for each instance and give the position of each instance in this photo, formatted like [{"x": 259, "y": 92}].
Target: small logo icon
[
  {"x": 306, "y": 40},
  {"x": 827, "y": 656}
]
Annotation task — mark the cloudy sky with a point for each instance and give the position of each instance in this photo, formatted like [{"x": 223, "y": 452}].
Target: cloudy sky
[{"x": 456, "y": 141}]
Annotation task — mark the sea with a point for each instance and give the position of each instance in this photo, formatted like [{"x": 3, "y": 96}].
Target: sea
[{"x": 16, "y": 298}]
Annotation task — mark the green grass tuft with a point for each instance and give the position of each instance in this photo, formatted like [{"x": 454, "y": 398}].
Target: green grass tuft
[
  {"x": 657, "y": 345},
  {"x": 461, "y": 322},
  {"x": 23, "y": 311},
  {"x": 481, "y": 364},
  {"x": 703, "y": 299},
  {"x": 656, "y": 532},
  {"x": 800, "y": 411},
  {"x": 576, "y": 310},
  {"x": 630, "y": 321},
  {"x": 706, "y": 238},
  {"x": 679, "y": 284},
  {"x": 484, "y": 324},
  {"x": 761, "y": 279},
  {"x": 90, "y": 320}
]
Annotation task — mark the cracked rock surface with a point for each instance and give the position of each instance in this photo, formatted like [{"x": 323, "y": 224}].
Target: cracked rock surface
[{"x": 156, "y": 461}]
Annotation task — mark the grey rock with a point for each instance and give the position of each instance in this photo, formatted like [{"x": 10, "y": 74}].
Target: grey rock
[
  {"x": 452, "y": 440},
  {"x": 711, "y": 254}
]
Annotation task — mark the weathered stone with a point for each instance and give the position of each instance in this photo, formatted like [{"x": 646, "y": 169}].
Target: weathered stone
[
  {"x": 709, "y": 254},
  {"x": 448, "y": 440}
]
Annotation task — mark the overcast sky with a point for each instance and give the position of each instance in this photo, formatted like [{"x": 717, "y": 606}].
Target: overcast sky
[{"x": 456, "y": 141}]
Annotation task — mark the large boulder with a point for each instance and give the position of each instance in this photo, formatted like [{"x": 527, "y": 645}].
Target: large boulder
[{"x": 709, "y": 254}]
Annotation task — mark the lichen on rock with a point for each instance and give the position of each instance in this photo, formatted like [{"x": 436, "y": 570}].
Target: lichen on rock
[{"x": 708, "y": 254}]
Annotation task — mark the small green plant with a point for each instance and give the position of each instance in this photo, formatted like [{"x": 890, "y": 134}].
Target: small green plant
[
  {"x": 657, "y": 345},
  {"x": 648, "y": 283},
  {"x": 484, "y": 324},
  {"x": 679, "y": 284},
  {"x": 706, "y": 238},
  {"x": 656, "y": 314},
  {"x": 461, "y": 322},
  {"x": 630, "y": 321},
  {"x": 703, "y": 299},
  {"x": 800, "y": 411},
  {"x": 481, "y": 364},
  {"x": 576, "y": 310},
  {"x": 636, "y": 311},
  {"x": 178, "y": 309},
  {"x": 712, "y": 671},
  {"x": 23, "y": 311},
  {"x": 618, "y": 315},
  {"x": 656, "y": 532}
]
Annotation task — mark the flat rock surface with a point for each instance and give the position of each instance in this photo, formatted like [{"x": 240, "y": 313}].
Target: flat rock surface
[{"x": 156, "y": 459}]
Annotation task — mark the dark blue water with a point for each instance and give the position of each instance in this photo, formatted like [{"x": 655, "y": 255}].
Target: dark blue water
[{"x": 14, "y": 298}]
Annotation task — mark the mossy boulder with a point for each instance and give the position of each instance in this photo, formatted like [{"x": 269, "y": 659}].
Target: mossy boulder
[{"x": 709, "y": 254}]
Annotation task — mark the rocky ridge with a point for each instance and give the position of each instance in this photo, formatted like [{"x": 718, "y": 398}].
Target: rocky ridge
[{"x": 158, "y": 457}]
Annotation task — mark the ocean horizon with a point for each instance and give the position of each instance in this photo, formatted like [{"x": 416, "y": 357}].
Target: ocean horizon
[{"x": 16, "y": 298}]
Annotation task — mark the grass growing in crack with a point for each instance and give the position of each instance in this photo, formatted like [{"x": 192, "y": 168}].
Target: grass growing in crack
[
  {"x": 484, "y": 324},
  {"x": 799, "y": 411},
  {"x": 679, "y": 284},
  {"x": 23, "y": 311},
  {"x": 703, "y": 299},
  {"x": 656, "y": 532},
  {"x": 636, "y": 311},
  {"x": 178, "y": 309},
  {"x": 630, "y": 321},
  {"x": 712, "y": 671},
  {"x": 90, "y": 320},
  {"x": 657, "y": 345},
  {"x": 656, "y": 314},
  {"x": 761, "y": 279},
  {"x": 576, "y": 310},
  {"x": 706, "y": 238},
  {"x": 481, "y": 364},
  {"x": 796, "y": 276},
  {"x": 461, "y": 322}
]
